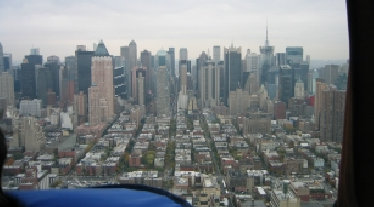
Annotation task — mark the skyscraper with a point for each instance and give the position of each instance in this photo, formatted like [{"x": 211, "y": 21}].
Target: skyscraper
[
  {"x": 125, "y": 56},
  {"x": 140, "y": 88},
  {"x": 286, "y": 90},
  {"x": 233, "y": 71},
  {"x": 200, "y": 62},
  {"x": 210, "y": 87},
  {"x": 280, "y": 59},
  {"x": 332, "y": 115},
  {"x": 43, "y": 83},
  {"x": 299, "y": 89},
  {"x": 146, "y": 59},
  {"x": 70, "y": 84},
  {"x": 320, "y": 86},
  {"x": 183, "y": 55},
  {"x": 216, "y": 53},
  {"x": 150, "y": 86},
  {"x": 101, "y": 92},
  {"x": 29, "y": 134},
  {"x": 132, "y": 54},
  {"x": 7, "y": 62},
  {"x": 83, "y": 59},
  {"x": 253, "y": 67},
  {"x": 183, "y": 60},
  {"x": 266, "y": 60},
  {"x": 7, "y": 87},
  {"x": 80, "y": 107},
  {"x": 330, "y": 73},
  {"x": 163, "y": 94},
  {"x": 53, "y": 65},
  {"x": 171, "y": 53},
  {"x": 183, "y": 77},
  {"x": 1, "y": 58},
  {"x": 119, "y": 82},
  {"x": 294, "y": 55},
  {"x": 136, "y": 73},
  {"x": 27, "y": 79}
]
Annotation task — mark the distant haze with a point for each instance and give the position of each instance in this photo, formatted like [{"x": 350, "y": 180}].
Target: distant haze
[{"x": 56, "y": 27}]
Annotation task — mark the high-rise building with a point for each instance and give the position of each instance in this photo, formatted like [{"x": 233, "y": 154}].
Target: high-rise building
[
  {"x": 332, "y": 115},
  {"x": 320, "y": 86},
  {"x": 150, "y": 86},
  {"x": 84, "y": 59},
  {"x": 53, "y": 65},
  {"x": 286, "y": 90},
  {"x": 210, "y": 87},
  {"x": 233, "y": 71},
  {"x": 330, "y": 74},
  {"x": 125, "y": 56},
  {"x": 171, "y": 53},
  {"x": 132, "y": 54},
  {"x": 119, "y": 80},
  {"x": 94, "y": 46},
  {"x": 2, "y": 69},
  {"x": 51, "y": 98},
  {"x": 299, "y": 90},
  {"x": 280, "y": 110},
  {"x": 200, "y": 62},
  {"x": 183, "y": 77},
  {"x": 146, "y": 59},
  {"x": 27, "y": 79},
  {"x": 101, "y": 92},
  {"x": 183, "y": 60},
  {"x": 124, "y": 51},
  {"x": 162, "y": 59},
  {"x": 253, "y": 67},
  {"x": 216, "y": 53},
  {"x": 163, "y": 94},
  {"x": 301, "y": 72},
  {"x": 7, "y": 62},
  {"x": 307, "y": 59},
  {"x": 280, "y": 59},
  {"x": 294, "y": 55},
  {"x": 136, "y": 73},
  {"x": 70, "y": 85},
  {"x": 43, "y": 83},
  {"x": 34, "y": 51},
  {"x": 266, "y": 60},
  {"x": 183, "y": 55},
  {"x": 80, "y": 107},
  {"x": 252, "y": 83},
  {"x": 28, "y": 133},
  {"x": 239, "y": 101},
  {"x": 140, "y": 88},
  {"x": 7, "y": 87}
]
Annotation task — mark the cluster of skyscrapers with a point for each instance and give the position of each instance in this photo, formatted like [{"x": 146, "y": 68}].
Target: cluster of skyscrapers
[{"x": 96, "y": 85}]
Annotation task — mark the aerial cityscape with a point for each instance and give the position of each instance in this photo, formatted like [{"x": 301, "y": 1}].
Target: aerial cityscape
[
  {"x": 213, "y": 119},
  {"x": 234, "y": 129}
]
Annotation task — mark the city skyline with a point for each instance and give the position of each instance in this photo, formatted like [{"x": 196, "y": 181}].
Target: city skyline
[{"x": 320, "y": 27}]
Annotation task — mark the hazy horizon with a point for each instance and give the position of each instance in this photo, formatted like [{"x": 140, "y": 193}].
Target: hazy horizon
[{"x": 56, "y": 27}]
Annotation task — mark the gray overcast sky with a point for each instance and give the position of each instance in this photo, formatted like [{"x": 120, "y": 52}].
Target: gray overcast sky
[{"x": 56, "y": 27}]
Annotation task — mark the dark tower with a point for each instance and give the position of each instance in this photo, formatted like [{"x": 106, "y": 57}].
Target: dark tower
[
  {"x": 83, "y": 69},
  {"x": 233, "y": 71},
  {"x": 28, "y": 80}
]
